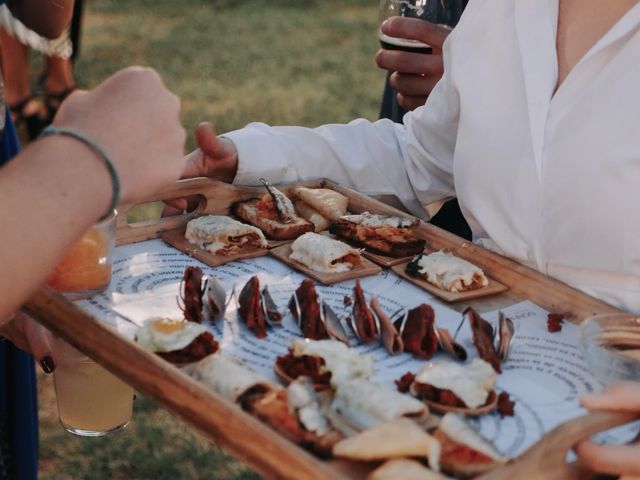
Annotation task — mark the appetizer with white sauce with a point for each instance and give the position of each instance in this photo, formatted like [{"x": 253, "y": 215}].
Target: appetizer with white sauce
[
  {"x": 222, "y": 235},
  {"x": 324, "y": 254},
  {"x": 448, "y": 272}
]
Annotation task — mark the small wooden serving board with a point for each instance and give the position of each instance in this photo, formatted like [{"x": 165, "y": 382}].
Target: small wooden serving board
[
  {"x": 363, "y": 270},
  {"x": 176, "y": 239},
  {"x": 384, "y": 260},
  {"x": 493, "y": 288}
]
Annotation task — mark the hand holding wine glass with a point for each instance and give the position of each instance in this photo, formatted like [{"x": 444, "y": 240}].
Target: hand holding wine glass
[{"x": 412, "y": 33}]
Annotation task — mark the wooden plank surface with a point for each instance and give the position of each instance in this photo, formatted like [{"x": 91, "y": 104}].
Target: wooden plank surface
[{"x": 224, "y": 423}]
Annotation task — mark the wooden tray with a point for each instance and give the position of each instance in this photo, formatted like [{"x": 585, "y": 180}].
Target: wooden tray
[
  {"x": 255, "y": 443},
  {"x": 176, "y": 239},
  {"x": 493, "y": 288}
]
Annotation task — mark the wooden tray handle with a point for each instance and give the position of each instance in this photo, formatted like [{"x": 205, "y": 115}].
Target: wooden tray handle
[
  {"x": 216, "y": 197},
  {"x": 546, "y": 460}
]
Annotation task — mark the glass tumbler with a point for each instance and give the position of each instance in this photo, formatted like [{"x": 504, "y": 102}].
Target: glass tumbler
[
  {"x": 91, "y": 401},
  {"x": 86, "y": 268}
]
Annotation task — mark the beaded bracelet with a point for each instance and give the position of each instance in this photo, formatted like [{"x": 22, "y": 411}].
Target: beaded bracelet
[{"x": 89, "y": 142}]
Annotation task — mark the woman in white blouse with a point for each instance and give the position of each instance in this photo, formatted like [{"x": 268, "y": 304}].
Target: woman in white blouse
[{"x": 535, "y": 128}]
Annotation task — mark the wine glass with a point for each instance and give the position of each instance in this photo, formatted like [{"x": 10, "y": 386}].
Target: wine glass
[{"x": 442, "y": 12}]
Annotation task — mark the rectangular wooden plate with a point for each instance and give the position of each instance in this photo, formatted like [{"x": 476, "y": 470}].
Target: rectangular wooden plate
[
  {"x": 276, "y": 243},
  {"x": 365, "y": 269},
  {"x": 384, "y": 260},
  {"x": 493, "y": 288},
  {"x": 176, "y": 239}
]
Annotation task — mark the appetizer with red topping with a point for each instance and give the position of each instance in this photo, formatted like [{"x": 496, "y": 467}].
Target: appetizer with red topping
[
  {"x": 222, "y": 235},
  {"x": 323, "y": 254},
  {"x": 364, "y": 323},
  {"x": 418, "y": 331},
  {"x": 191, "y": 294},
  {"x": 391, "y": 338},
  {"x": 294, "y": 412},
  {"x": 465, "y": 454},
  {"x": 177, "y": 341},
  {"x": 250, "y": 308},
  {"x": 383, "y": 234},
  {"x": 305, "y": 308},
  {"x": 274, "y": 214},
  {"x": 326, "y": 362},
  {"x": 450, "y": 387},
  {"x": 447, "y": 272},
  {"x": 483, "y": 338}
]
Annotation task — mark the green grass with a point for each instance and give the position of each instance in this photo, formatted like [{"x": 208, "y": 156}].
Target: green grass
[
  {"x": 280, "y": 62},
  {"x": 296, "y": 62},
  {"x": 153, "y": 446}
]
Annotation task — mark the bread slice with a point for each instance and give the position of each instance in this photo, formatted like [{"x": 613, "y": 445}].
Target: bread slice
[
  {"x": 269, "y": 223},
  {"x": 319, "y": 222},
  {"x": 465, "y": 454},
  {"x": 329, "y": 203},
  {"x": 391, "y": 241}
]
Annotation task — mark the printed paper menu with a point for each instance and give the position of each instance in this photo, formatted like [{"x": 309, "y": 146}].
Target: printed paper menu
[{"x": 545, "y": 372}]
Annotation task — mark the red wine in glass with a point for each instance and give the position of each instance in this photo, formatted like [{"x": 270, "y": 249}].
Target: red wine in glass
[
  {"x": 395, "y": 43},
  {"x": 442, "y": 12}
]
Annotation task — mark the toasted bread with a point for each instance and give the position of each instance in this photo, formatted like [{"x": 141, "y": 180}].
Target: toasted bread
[
  {"x": 385, "y": 240},
  {"x": 461, "y": 460},
  {"x": 329, "y": 203},
  {"x": 320, "y": 223},
  {"x": 268, "y": 221}
]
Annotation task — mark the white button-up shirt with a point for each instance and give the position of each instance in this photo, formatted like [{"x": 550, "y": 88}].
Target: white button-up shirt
[{"x": 549, "y": 179}]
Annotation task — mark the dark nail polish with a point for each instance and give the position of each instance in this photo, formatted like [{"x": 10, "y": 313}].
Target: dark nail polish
[{"x": 47, "y": 364}]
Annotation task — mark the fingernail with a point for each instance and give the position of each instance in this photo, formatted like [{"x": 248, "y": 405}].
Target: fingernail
[{"x": 47, "y": 364}]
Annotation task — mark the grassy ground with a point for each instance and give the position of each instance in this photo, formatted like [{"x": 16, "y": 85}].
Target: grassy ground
[{"x": 278, "y": 61}]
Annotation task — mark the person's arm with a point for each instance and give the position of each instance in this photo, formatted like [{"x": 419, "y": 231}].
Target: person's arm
[
  {"x": 48, "y": 18},
  {"x": 621, "y": 459},
  {"x": 414, "y": 74},
  {"x": 50, "y": 194},
  {"x": 413, "y": 162},
  {"x": 54, "y": 190}
]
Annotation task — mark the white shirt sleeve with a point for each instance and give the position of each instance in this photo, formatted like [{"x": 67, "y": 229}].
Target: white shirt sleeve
[{"x": 413, "y": 162}]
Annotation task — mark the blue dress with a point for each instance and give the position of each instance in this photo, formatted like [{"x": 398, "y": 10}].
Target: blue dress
[{"x": 18, "y": 401}]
